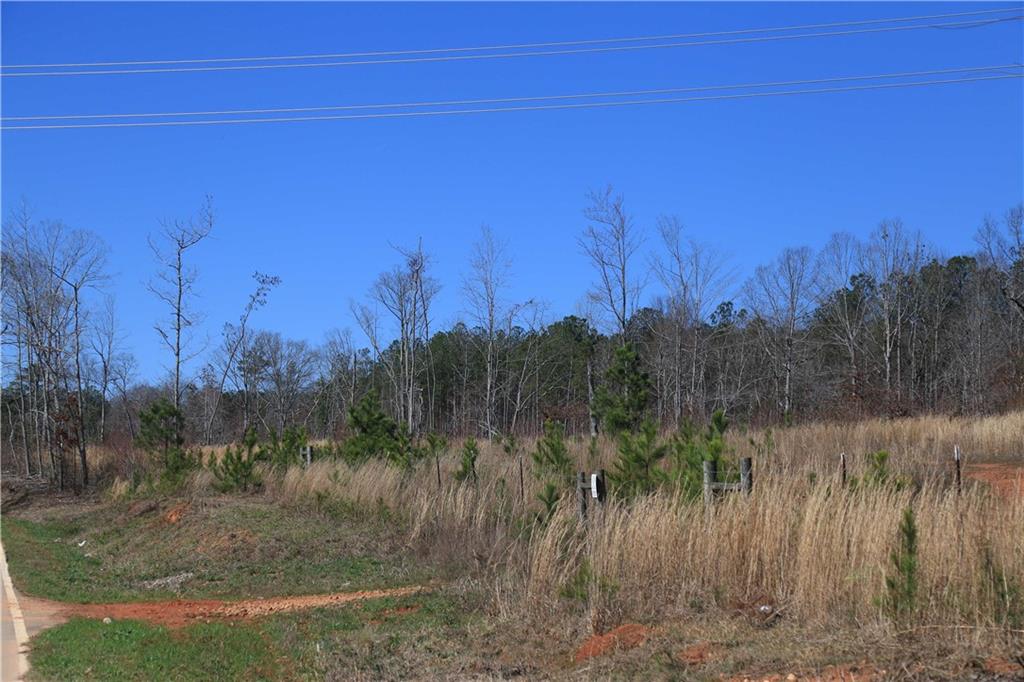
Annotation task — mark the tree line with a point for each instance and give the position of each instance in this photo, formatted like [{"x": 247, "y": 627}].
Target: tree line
[{"x": 885, "y": 325}]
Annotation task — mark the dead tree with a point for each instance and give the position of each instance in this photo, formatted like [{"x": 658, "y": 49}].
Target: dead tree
[{"x": 174, "y": 286}]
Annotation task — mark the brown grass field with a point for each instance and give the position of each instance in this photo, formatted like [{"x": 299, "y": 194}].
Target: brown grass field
[{"x": 791, "y": 577}]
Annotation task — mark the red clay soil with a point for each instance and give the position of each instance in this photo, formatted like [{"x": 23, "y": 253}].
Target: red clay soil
[
  {"x": 400, "y": 611},
  {"x": 174, "y": 514},
  {"x": 1003, "y": 666},
  {"x": 626, "y": 636},
  {"x": 1006, "y": 480},
  {"x": 696, "y": 654},
  {"x": 178, "y": 613}
]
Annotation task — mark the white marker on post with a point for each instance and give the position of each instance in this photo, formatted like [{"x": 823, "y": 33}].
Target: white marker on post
[{"x": 593, "y": 486}]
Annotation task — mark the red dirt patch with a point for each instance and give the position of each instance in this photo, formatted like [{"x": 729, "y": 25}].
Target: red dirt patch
[
  {"x": 1002, "y": 666},
  {"x": 400, "y": 611},
  {"x": 1006, "y": 480},
  {"x": 174, "y": 514},
  {"x": 696, "y": 654},
  {"x": 179, "y": 613},
  {"x": 626, "y": 636}
]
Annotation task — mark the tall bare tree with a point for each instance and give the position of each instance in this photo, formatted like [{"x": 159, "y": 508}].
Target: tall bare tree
[
  {"x": 406, "y": 293},
  {"x": 174, "y": 286},
  {"x": 106, "y": 342},
  {"x": 780, "y": 294},
  {"x": 1005, "y": 248},
  {"x": 695, "y": 278},
  {"x": 611, "y": 241},
  {"x": 483, "y": 286},
  {"x": 892, "y": 257},
  {"x": 234, "y": 340}
]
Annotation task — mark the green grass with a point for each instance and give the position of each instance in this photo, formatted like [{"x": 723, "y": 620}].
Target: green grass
[
  {"x": 84, "y": 649},
  {"x": 238, "y": 548},
  {"x": 329, "y": 642}
]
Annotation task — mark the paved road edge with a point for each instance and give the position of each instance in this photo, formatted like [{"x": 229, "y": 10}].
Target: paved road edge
[{"x": 17, "y": 617}]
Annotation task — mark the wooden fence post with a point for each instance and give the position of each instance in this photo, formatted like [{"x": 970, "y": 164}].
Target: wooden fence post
[
  {"x": 747, "y": 475},
  {"x": 581, "y": 493},
  {"x": 710, "y": 476},
  {"x": 522, "y": 484},
  {"x": 842, "y": 469}
]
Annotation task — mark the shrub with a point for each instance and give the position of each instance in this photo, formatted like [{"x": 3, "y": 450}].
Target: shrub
[
  {"x": 878, "y": 474},
  {"x": 285, "y": 451},
  {"x": 690, "y": 450},
  {"x": 551, "y": 458},
  {"x": 622, "y": 402},
  {"x": 160, "y": 428},
  {"x": 467, "y": 466},
  {"x": 549, "y": 497},
  {"x": 636, "y": 471},
  {"x": 901, "y": 585},
  {"x": 375, "y": 434},
  {"x": 236, "y": 469}
]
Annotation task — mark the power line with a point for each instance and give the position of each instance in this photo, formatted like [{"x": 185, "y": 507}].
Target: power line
[
  {"x": 586, "y": 105},
  {"x": 507, "y": 100},
  {"x": 501, "y": 55},
  {"x": 562, "y": 43}
]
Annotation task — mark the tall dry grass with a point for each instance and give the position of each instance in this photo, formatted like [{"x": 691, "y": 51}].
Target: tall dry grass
[
  {"x": 813, "y": 552},
  {"x": 800, "y": 545}
]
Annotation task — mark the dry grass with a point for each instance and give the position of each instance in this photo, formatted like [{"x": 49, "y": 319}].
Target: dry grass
[
  {"x": 814, "y": 553},
  {"x": 800, "y": 545}
]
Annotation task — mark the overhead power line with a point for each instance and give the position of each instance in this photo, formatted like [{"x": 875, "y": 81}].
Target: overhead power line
[
  {"x": 514, "y": 46},
  {"x": 544, "y": 107},
  {"x": 506, "y": 55},
  {"x": 509, "y": 100}
]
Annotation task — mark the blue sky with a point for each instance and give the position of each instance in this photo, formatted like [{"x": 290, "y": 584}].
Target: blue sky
[{"x": 318, "y": 203}]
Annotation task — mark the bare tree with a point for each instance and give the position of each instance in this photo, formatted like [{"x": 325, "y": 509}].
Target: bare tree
[
  {"x": 781, "y": 296},
  {"x": 843, "y": 296},
  {"x": 234, "y": 340},
  {"x": 406, "y": 293},
  {"x": 611, "y": 241},
  {"x": 174, "y": 286},
  {"x": 489, "y": 268},
  {"x": 291, "y": 366},
  {"x": 1005, "y": 248},
  {"x": 695, "y": 278},
  {"x": 893, "y": 257},
  {"x": 106, "y": 342},
  {"x": 123, "y": 369}
]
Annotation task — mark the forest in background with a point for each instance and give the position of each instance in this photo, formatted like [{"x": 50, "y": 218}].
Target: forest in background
[{"x": 884, "y": 326}]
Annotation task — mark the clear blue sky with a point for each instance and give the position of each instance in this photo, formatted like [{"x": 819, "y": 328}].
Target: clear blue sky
[{"x": 318, "y": 203}]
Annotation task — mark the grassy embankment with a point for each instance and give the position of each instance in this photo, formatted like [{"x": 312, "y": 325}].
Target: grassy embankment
[{"x": 791, "y": 579}]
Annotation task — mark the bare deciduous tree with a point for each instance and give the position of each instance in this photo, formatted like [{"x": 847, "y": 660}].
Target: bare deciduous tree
[
  {"x": 781, "y": 296},
  {"x": 489, "y": 268},
  {"x": 611, "y": 242},
  {"x": 1005, "y": 248},
  {"x": 174, "y": 286}
]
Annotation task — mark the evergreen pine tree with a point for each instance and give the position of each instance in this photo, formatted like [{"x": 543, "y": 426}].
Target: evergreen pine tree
[
  {"x": 636, "y": 471},
  {"x": 622, "y": 402}
]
